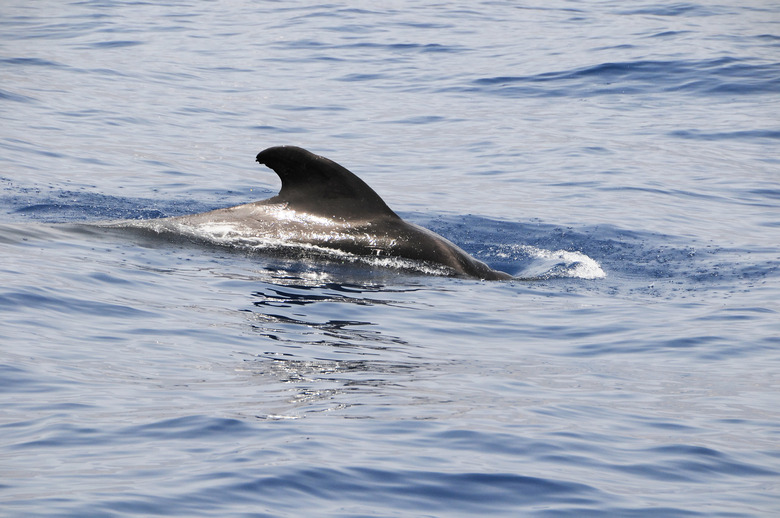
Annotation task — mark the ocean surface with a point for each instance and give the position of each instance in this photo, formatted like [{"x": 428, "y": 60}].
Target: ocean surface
[{"x": 621, "y": 159}]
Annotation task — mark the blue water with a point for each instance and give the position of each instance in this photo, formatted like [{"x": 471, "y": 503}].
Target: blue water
[{"x": 145, "y": 376}]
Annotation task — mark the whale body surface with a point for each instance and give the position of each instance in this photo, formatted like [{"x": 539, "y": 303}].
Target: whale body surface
[{"x": 324, "y": 206}]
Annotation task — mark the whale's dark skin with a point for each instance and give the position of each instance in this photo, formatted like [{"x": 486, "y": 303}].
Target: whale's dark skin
[{"x": 323, "y": 204}]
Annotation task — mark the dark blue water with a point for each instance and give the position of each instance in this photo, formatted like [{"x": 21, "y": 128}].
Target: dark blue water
[{"x": 150, "y": 376}]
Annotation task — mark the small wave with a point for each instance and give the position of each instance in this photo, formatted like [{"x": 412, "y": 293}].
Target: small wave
[
  {"x": 728, "y": 135},
  {"x": 549, "y": 264},
  {"x": 114, "y": 44},
  {"x": 700, "y": 77},
  {"x": 5, "y": 95},
  {"x": 567, "y": 264},
  {"x": 675, "y": 9},
  {"x": 474, "y": 492},
  {"x": 51, "y": 205},
  {"x": 37, "y": 62},
  {"x": 403, "y": 47}
]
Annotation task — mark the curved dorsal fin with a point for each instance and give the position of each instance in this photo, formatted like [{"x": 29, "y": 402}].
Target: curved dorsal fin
[{"x": 316, "y": 185}]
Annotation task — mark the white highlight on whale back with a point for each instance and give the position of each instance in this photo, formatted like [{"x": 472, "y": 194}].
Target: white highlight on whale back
[{"x": 240, "y": 236}]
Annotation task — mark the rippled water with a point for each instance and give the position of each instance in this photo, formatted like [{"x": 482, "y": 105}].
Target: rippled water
[{"x": 148, "y": 376}]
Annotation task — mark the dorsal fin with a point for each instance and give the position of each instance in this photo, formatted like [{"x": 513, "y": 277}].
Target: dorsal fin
[{"x": 316, "y": 185}]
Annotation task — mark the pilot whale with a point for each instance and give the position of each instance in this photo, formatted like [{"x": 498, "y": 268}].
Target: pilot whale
[{"x": 322, "y": 204}]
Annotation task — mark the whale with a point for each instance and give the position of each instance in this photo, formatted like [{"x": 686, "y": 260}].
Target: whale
[{"x": 322, "y": 205}]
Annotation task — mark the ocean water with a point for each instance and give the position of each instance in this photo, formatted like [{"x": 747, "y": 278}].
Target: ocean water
[{"x": 619, "y": 158}]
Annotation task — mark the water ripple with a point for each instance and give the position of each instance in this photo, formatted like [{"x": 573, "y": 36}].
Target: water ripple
[{"x": 705, "y": 77}]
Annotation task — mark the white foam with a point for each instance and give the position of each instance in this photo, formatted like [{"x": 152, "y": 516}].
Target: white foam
[{"x": 562, "y": 263}]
